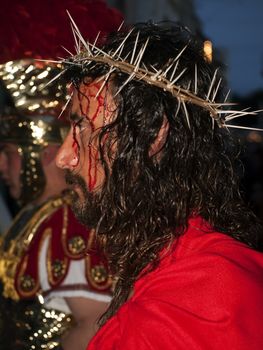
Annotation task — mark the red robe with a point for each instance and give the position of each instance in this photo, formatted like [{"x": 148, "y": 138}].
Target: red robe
[{"x": 207, "y": 293}]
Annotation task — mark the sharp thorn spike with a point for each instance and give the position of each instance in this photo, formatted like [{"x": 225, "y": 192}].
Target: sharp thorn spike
[
  {"x": 178, "y": 77},
  {"x": 216, "y": 90},
  {"x": 96, "y": 39},
  {"x": 227, "y": 95},
  {"x": 101, "y": 87},
  {"x": 121, "y": 25},
  {"x": 135, "y": 47},
  {"x": 186, "y": 114},
  {"x": 180, "y": 53},
  {"x": 66, "y": 105},
  {"x": 196, "y": 77},
  {"x": 122, "y": 43},
  {"x": 242, "y": 127},
  {"x": 212, "y": 84},
  {"x": 54, "y": 78},
  {"x": 70, "y": 53},
  {"x": 174, "y": 70}
]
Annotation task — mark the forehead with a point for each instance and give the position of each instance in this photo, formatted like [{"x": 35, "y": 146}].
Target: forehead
[{"x": 93, "y": 101}]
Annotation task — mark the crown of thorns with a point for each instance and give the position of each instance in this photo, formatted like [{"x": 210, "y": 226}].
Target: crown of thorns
[{"x": 133, "y": 65}]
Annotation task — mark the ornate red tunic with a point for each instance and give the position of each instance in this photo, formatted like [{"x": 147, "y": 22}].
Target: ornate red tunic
[{"x": 55, "y": 255}]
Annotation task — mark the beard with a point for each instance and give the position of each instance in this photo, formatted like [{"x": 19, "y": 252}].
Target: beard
[{"x": 85, "y": 205}]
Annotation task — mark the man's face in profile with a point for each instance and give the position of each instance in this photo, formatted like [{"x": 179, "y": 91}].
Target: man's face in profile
[
  {"x": 10, "y": 168},
  {"x": 79, "y": 154}
]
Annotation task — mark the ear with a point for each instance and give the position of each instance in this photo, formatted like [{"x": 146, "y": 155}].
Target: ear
[
  {"x": 48, "y": 154},
  {"x": 160, "y": 139}
]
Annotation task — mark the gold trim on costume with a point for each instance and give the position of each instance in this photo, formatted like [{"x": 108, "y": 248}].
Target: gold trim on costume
[
  {"x": 11, "y": 255},
  {"x": 96, "y": 274}
]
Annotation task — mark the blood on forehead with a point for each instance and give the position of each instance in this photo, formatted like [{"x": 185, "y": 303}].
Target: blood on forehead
[{"x": 98, "y": 108}]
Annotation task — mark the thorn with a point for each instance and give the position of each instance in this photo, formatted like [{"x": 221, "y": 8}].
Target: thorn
[
  {"x": 211, "y": 85},
  {"x": 140, "y": 56},
  {"x": 122, "y": 43},
  {"x": 63, "y": 47},
  {"x": 100, "y": 51},
  {"x": 77, "y": 49},
  {"x": 186, "y": 114},
  {"x": 195, "y": 90},
  {"x": 119, "y": 55},
  {"x": 143, "y": 76},
  {"x": 153, "y": 68},
  {"x": 48, "y": 61},
  {"x": 216, "y": 90},
  {"x": 53, "y": 79},
  {"x": 96, "y": 39},
  {"x": 167, "y": 69},
  {"x": 80, "y": 37},
  {"x": 242, "y": 127},
  {"x": 174, "y": 70},
  {"x": 105, "y": 78},
  {"x": 155, "y": 76},
  {"x": 121, "y": 25},
  {"x": 126, "y": 82},
  {"x": 227, "y": 95},
  {"x": 178, "y": 108},
  {"x": 213, "y": 123},
  {"x": 179, "y": 76},
  {"x": 180, "y": 53},
  {"x": 66, "y": 104},
  {"x": 101, "y": 88},
  {"x": 135, "y": 47},
  {"x": 237, "y": 114}
]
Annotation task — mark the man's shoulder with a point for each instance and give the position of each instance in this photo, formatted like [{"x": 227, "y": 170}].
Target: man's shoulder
[{"x": 204, "y": 260}]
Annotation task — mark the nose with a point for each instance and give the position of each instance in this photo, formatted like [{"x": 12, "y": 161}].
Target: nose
[{"x": 67, "y": 157}]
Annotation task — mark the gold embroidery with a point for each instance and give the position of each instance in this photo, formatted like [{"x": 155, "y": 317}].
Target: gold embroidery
[
  {"x": 76, "y": 245},
  {"x": 93, "y": 273},
  {"x": 27, "y": 283},
  {"x": 11, "y": 256},
  {"x": 58, "y": 268},
  {"x": 99, "y": 274}
]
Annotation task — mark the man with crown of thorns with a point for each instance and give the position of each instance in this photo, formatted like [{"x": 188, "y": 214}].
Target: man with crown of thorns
[
  {"x": 46, "y": 252},
  {"x": 153, "y": 166}
]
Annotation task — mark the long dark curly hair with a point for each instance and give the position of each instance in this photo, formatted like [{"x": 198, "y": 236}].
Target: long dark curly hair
[{"x": 147, "y": 198}]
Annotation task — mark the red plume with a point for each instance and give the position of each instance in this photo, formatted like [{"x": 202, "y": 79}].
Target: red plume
[{"x": 39, "y": 29}]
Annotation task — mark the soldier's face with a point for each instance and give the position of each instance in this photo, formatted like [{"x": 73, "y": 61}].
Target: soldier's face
[{"x": 10, "y": 168}]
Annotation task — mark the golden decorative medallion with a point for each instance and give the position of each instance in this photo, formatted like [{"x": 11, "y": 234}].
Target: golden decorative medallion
[
  {"x": 99, "y": 274},
  {"x": 27, "y": 283},
  {"x": 76, "y": 245},
  {"x": 58, "y": 268}
]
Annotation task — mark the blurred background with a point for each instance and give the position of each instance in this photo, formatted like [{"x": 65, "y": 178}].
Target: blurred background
[{"x": 232, "y": 32}]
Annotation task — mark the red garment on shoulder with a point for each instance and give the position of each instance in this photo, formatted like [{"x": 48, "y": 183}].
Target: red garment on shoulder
[{"x": 206, "y": 294}]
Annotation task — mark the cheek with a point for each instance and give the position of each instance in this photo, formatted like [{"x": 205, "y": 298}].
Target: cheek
[
  {"x": 93, "y": 168},
  {"x": 16, "y": 168},
  {"x": 14, "y": 164}
]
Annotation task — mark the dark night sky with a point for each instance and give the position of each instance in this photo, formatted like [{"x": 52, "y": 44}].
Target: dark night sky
[{"x": 236, "y": 26}]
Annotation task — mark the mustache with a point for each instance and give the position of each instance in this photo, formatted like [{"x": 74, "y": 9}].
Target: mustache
[{"x": 73, "y": 179}]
